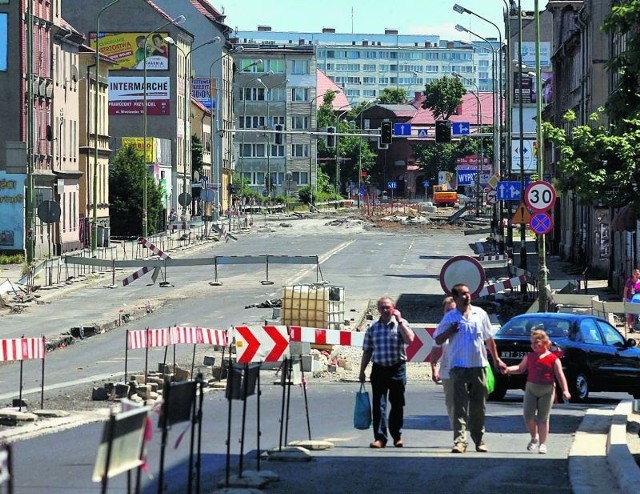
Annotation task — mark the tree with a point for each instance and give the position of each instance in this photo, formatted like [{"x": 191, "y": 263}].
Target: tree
[
  {"x": 197, "y": 165},
  {"x": 433, "y": 157},
  {"x": 443, "y": 96},
  {"x": 126, "y": 180},
  {"x": 393, "y": 96}
]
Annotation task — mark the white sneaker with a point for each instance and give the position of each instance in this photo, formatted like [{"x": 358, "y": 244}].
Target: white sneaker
[
  {"x": 532, "y": 444},
  {"x": 542, "y": 449}
]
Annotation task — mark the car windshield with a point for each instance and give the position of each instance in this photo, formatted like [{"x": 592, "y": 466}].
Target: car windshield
[{"x": 555, "y": 328}]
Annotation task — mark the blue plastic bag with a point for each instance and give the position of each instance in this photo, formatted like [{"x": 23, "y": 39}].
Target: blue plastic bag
[{"x": 362, "y": 409}]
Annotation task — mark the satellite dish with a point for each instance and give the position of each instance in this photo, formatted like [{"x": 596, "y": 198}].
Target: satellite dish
[{"x": 49, "y": 211}]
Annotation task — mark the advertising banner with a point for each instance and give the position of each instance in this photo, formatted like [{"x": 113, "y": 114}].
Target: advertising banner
[
  {"x": 201, "y": 89},
  {"x": 127, "y": 49},
  {"x": 4, "y": 42},
  {"x": 138, "y": 143},
  {"x": 529, "y": 154},
  {"x": 11, "y": 211},
  {"x": 126, "y": 95}
]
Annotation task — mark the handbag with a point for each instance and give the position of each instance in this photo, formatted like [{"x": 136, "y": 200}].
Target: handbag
[
  {"x": 362, "y": 409},
  {"x": 490, "y": 379}
]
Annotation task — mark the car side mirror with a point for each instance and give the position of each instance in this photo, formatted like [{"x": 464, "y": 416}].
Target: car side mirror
[{"x": 632, "y": 342}]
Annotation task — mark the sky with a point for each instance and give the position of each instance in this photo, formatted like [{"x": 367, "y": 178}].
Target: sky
[{"x": 431, "y": 17}]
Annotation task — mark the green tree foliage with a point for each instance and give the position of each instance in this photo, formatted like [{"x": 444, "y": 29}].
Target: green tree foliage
[
  {"x": 435, "y": 157},
  {"x": 197, "y": 165},
  {"x": 624, "y": 101},
  {"x": 443, "y": 96},
  {"x": 598, "y": 166},
  {"x": 126, "y": 180},
  {"x": 393, "y": 96}
]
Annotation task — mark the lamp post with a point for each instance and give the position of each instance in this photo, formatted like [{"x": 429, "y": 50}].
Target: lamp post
[
  {"x": 96, "y": 108},
  {"x": 542, "y": 247},
  {"x": 186, "y": 113},
  {"x": 217, "y": 128},
  {"x": 178, "y": 20},
  {"x": 462, "y": 10},
  {"x": 523, "y": 229},
  {"x": 268, "y": 93},
  {"x": 479, "y": 126}
]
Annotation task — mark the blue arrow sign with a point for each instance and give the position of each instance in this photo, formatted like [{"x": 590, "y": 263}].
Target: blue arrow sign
[
  {"x": 425, "y": 184},
  {"x": 509, "y": 191},
  {"x": 460, "y": 128},
  {"x": 401, "y": 129}
]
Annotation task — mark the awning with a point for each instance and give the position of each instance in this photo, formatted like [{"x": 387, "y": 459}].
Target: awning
[{"x": 625, "y": 219}]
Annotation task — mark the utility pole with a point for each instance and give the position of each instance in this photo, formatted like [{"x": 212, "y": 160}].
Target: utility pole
[{"x": 29, "y": 233}]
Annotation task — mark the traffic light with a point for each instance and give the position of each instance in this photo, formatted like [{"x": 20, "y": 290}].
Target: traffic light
[
  {"x": 443, "y": 130},
  {"x": 278, "y": 128},
  {"x": 331, "y": 138},
  {"x": 386, "y": 134}
]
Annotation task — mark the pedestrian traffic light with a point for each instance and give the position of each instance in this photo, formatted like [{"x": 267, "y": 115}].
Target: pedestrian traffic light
[
  {"x": 386, "y": 134},
  {"x": 278, "y": 135},
  {"x": 443, "y": 130},
  {"x": 331, "y": 138}
]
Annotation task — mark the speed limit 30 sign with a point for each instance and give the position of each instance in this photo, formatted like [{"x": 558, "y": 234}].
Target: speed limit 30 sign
[{"x": 540, "y": 196}]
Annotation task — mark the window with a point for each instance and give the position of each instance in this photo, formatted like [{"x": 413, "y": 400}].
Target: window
[
  {"x": 276, "y": 66},
  {"x": 278, "y": 94},
  {"x": 277, "y": 151},
  {"x": 299, "y": 123},
  {"x": 252, "y": 94},
  {"x": 299, "y": 94},
  {"x": 369, "y": 67},
  {"x": 368, "y": 80},
  {"x": 300, "y": 150},
  {"x": 274, "y": 120},
  {"x": 251, "y": 122},
  {"x": 611, "y": 335},
  {"x": 589, "y": 332},
  {"x": 369, "y": 93},
  {"x": 252, "y": 150},
  {"x": 277, "y": 178},
  {"x": 301, "y": 178},
  {"x": 255, "y": 66},
  {"x": 299, "y": 66}
]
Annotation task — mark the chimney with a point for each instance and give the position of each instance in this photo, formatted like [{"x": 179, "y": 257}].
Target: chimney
[
  {"x": 391, "y": 31},
  {"x": 365, "y": 42},
  {"x": 328, "y": 30},
  {"x": 301, "y": 41},
  {"x": 418, "y": 99},
  {"x": 427, "y": 44},
  {"x": 264, "y": 28}
]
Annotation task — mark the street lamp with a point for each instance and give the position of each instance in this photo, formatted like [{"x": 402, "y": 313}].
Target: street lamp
[
  {"x": 267, "y": 98},
  {"x": 96, "y": 108},
  {"x": 480, "y": 165},
  {"x": 178, "y": 20},
  {"x": 217, "y": 129},
  {"x": 523, "y": 228},
  {"x": 186, "y": 112}
]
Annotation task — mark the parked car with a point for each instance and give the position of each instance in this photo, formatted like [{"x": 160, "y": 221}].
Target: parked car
[{"x": 594, "y": 355}]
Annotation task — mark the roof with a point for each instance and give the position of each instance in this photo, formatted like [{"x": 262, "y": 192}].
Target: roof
[
  {"x": 469, "y": 111},
  {"x": 203, "y": 108},
  {"x": 324, "y": 85}
]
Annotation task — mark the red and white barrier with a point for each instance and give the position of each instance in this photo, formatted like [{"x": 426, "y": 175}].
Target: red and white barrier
[
  {"x": 145, "y": 269},
  {"x": 504, "y": 285},
  {"x": 498, "y": 257},
  {"x": 326, "y": 336},
  {"x": 148, "y": 338},
  {"x": 22, "y": 349},
  {"x": 261, "y": 343},
  {"x": 197, "y": 335}
]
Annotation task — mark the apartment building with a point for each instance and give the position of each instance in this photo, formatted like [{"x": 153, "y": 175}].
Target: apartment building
[
  {"x": 364, "y": 64},
  {"x": 276, "y": 85}
]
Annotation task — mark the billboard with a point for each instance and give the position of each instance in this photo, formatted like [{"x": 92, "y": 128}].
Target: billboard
[
  {"x": 138, "y": 143},
  {"x": 529, "y": 156},
  {"x": 201, "y": 89},
  {"x": 529, "y": 53},
  {"x": 128, "y": 50},
  {"x": 126, "y": 95},
  {"x": 4, "y": 41},
  {"x": 11, "y": 211}
]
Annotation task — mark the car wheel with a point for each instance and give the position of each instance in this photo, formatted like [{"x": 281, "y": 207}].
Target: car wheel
[
  {"x": 579, "y": 388},
  {"x": 499, "y": 390}
]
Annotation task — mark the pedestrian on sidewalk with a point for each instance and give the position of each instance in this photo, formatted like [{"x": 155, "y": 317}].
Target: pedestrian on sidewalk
[
  {"x": 631, "y": 287},
  {"x": 383, "y": 345},
  {"x": 439, "y": 358},
  {"x": 543, "y": 369},
  {"x": 468, "y": 331}
]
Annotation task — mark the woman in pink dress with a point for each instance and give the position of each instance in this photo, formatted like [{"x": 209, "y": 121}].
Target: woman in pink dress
[{"x": 631, "y": 287}]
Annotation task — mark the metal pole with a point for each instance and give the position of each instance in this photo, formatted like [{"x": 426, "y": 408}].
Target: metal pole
[
  {"x": 30, "y": 233},
  {"x": 523, "y": 228},
  {"x": 542, "y": 247},
  {"x": 96, "y": 114}
]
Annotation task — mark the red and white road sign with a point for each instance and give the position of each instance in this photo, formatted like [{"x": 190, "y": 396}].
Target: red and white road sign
[
  {"x": 320, "y": 336},
  {"x": 492, "y": 197},
  {"x": 504, "y": 285},
  {"x": 462, "y": 269},
  {"x": 420, "y": 348},
  {"x": 540, "y": 196},
  {"x": 145, "y": 269},
  {"x": 261, "y": 343}
]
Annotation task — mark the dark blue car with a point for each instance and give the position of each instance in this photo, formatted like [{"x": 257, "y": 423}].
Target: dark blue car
[{"x": 594, "y": 355}]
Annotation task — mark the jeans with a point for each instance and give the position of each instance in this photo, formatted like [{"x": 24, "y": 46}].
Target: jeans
[{"x": 388, "y": 383}]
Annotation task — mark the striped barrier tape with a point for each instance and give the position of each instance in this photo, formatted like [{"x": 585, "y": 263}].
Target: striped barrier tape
[
  {"x": 152, "y": 338},
  {"x": 504, "y": 285},
  {"x": 325, "y": 336},
  {"x": 22, "y": 349},
  {"x": 498, "y": 257},
  {"x": 148, "y": 338}
]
